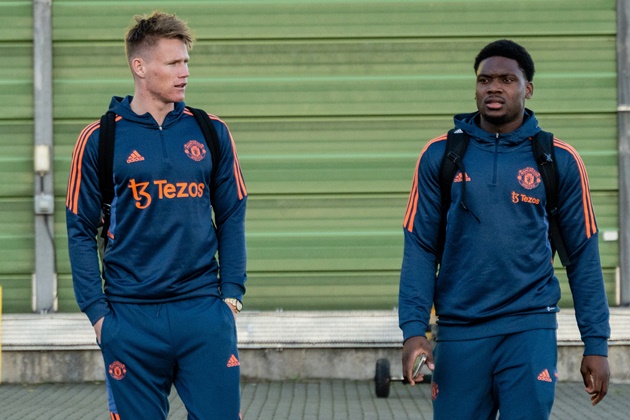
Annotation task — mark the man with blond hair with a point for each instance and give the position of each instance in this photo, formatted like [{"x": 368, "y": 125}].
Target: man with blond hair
[{"x": 172, "y": 282}]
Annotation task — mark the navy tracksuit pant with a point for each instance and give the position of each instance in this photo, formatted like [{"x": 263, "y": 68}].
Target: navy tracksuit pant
[
  {"x": 514, "y": 375},
  {"x": 191, "y": 344}
]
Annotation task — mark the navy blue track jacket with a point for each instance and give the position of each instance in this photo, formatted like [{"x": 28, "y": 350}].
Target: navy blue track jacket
[
  {"x": 162, "y": 243},
  {"x": 497, "y": 273}
]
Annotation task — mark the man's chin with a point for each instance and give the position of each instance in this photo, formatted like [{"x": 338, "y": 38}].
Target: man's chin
[
  {"x": 178, "y": 97},
  {"x": 496, "y": 120}
]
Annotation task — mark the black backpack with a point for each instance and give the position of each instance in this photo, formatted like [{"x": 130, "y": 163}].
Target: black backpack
[
  {"x": 106, "y": 162},
  {"x": 542, "y": 147}
]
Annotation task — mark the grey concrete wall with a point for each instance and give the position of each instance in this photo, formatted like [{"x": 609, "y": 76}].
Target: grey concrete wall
[
  {"x": 32, "y": 367},
  {"x": 271, "y": 364}
]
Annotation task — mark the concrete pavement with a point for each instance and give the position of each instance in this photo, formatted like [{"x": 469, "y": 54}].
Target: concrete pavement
[{"x": 334, "y": 399}]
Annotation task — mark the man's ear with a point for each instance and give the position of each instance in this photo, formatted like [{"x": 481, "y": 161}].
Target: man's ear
[
  {"x": 529, "y": 90},
  {"x": 138, "y": 67}
]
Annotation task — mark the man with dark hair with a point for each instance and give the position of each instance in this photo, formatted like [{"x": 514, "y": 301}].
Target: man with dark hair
[
  {"x": 508, "y": 49},
  {"x": 164, "y": 311},
  {"x": 495, "y": 293}
]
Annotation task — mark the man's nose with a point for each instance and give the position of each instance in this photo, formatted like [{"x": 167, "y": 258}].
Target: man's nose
[{"x": 494, "y": 86}]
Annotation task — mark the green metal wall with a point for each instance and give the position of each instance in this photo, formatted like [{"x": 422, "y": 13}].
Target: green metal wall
[{"x": 329, "y": 102}]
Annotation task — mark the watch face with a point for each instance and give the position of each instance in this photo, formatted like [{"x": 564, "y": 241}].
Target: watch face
[{"x": 234, "y": 302}]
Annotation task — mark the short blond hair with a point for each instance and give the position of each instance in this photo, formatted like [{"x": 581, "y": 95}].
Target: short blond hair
[{"x": 149, "y": 29}]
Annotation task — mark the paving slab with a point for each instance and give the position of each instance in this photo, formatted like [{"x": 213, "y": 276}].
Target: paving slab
[{"x": 278, "y": 400}]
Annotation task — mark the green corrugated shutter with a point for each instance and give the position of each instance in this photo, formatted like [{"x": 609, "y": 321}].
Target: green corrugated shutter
[
  {"x": 330, "y": 103},
  {"x": 16, "y": 155}
]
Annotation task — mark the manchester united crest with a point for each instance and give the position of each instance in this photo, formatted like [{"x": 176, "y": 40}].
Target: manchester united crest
[
  {"x": 195, "y": 150},
  {"x": 529, "y": 178},
  {"x": 117, "y": 370}
]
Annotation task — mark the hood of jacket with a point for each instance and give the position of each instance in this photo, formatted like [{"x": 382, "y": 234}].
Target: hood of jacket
[
  {"x": 468, "y": 124},
  {"x": 122, "y": 106}
]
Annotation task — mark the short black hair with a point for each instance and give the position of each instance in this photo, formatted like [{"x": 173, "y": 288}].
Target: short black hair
[{"x": 508, "y": 49}]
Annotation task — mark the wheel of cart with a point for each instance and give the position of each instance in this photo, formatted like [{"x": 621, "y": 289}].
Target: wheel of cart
[{"x": 383, "y": 378}]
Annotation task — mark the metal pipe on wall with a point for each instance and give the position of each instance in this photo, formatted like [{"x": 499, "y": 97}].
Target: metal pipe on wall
[{"x": 45, "y": 277}]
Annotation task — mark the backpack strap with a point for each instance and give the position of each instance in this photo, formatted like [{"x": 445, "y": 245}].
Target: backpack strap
[
  {"x": 544, "y": 153},
  {"x": 452, "y": 161},
  {"x": 456, "y": 144},
  {"x": 106, "y": 167},
  {"x": 210, "y": 136}
]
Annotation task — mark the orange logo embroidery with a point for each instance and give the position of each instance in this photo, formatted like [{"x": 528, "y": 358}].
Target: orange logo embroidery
[
  {"x": 524, "y": 198},
  {"x": 117, "y": 370},
  {"x": 434, "y": 391},
  {"x": 143, "y": 192},
  {"x": 544, "y": 376},
  {"x": 459, "y": 178},
  {"x": 135, "y": 157},
  {"x": 529, "y": 178},
  {"x": 195, "y": 150},
  {"x": 233, "y": 362}
]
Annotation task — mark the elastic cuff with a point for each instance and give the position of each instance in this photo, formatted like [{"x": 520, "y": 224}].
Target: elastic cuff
[
  {"x": 232, "y": 290},
  {"x": 413, "y": 329},
  {"x": 595, "y": 346},
  {"x": 97, "y": 310}
]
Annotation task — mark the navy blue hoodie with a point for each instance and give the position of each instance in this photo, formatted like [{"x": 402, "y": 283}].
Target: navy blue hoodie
[
  {"x": 497, "y": 273},
  {"x": 162, "y": 243}
]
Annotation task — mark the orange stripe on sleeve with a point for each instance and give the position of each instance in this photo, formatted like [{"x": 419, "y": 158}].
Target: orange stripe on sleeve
[
  {"x": 589, "y": 215},
  {"x": 74, "y": 180},
  {"x": 238, "y": 173},
  {"x": 412, "y": 204}
]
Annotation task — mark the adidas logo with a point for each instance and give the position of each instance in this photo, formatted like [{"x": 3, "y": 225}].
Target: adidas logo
[
  {"x": 459, "y": 178},
  {"x": 135, "y": 157},
  {"x": 233, "y": 362},
  {"x": 544, "y": 376}
]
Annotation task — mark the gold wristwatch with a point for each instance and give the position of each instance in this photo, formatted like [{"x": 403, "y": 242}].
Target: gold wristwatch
[{"x": 238, "y": 306}]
